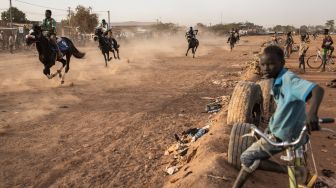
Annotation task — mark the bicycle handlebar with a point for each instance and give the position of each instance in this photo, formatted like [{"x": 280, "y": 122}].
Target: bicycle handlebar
[{"x": 255, "y": 130}]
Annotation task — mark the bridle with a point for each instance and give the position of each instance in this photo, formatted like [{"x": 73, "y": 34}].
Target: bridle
[{"x": 31, "y": 36}]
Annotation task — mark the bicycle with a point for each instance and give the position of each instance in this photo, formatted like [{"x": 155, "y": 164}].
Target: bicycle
[
  {"x": 316, "y": 61},
  {"x": 300, "y": 176}
]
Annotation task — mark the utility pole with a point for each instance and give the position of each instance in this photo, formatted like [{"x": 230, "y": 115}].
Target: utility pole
[
  {"x": 10, "y": 13},
  {"x": 69, "y": 21},
  {"x": 109, "y": 19},
  {"x": 222, "y": 18}
]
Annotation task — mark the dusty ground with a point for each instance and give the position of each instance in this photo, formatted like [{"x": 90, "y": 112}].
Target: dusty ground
[{"x": 110, "y": 126}]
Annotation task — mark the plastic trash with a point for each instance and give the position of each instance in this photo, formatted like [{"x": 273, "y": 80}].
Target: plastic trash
[{"x": 200, "y": 133}]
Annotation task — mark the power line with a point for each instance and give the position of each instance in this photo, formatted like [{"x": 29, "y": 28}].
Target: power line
[{"x": 41, "y": 6}]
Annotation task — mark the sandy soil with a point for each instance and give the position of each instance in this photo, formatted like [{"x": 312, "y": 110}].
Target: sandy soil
[{"x": 109, "y": 127}]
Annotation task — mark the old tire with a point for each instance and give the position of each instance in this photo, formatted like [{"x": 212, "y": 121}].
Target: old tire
[
  {"x": 268, "y": 101},
  {"x": 238, "y": 144},
  {"x": 246, "y": 104}
]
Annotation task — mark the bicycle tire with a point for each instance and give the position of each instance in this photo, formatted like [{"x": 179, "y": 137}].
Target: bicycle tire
[
  {"x": 331, "y": 65},
  {"x": 313, "y": 63}
]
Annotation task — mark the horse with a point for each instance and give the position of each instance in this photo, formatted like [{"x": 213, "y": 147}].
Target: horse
[
  {"x": 105, "y": 45},
  {"x": 48, "y": 54},
  {"x": 232, "y": 40},
  {"x": 193, "y": 44}
]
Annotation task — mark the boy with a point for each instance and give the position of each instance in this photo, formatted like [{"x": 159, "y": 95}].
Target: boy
[
  {"x": 327, "y": 47},
  {"x": 302, "y": 52},
  {"x": 291, "y": 94}
]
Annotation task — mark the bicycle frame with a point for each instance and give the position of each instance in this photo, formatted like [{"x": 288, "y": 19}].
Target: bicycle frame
[{"x": 296, "y": 156}]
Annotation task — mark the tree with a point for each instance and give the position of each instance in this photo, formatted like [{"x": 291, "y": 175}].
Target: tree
[
  {"x": 83, "y": 19},
  {"x": 303, "y": 29},
  {"x": 330, "y": 24},
  {"x": 17, "y": 15}
]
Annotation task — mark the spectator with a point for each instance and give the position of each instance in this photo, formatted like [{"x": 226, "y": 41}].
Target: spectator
[
  {"x": 11, "y": 43},
  {"x": 2, "y": 40}
]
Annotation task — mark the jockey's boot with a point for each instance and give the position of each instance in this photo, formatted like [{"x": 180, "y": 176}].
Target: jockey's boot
[
  {"x": 59, "y": 53},
  {"x": 241, "y": 178},
  {"x": 268, "y": 165}
]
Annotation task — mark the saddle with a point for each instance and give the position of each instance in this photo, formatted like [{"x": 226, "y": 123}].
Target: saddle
[{"x": 62, "y": 45}]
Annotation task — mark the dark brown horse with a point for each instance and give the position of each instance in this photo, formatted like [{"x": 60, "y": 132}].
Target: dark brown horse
[
  {"x": 106, "y": 46},
  {"x": 48, "y": 55},
  {"x": 193, "y": 44}
]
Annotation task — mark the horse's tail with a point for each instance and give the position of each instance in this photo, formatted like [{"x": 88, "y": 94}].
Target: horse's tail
[
  {"x": 74, "y": 50},
  {"x": 77, "y": 53}
]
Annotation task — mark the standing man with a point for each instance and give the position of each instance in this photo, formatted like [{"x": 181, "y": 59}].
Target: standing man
[
  {"x": 302, "y": 52},
  {"x": 11, "y": 43},
  {"x": 49, "y": 30},
  {"x": 2, "y": 40},
  {"x": 288, "y": 45},
  {"x": 327, "y": 47}
]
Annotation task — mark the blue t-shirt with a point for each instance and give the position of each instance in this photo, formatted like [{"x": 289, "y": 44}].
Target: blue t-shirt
[{"x": 290, "y": 94}]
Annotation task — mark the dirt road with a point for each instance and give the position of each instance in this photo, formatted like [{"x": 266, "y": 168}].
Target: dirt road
[{"x": 110, "y": 126}]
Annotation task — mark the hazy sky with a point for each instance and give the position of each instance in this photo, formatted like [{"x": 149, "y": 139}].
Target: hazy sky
[{"x": 189, "y": 12}]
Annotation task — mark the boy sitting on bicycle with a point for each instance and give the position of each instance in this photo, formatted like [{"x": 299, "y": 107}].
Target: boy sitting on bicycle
[
  {"x": 326, "y": 46},
  {"x": 291, "y": 94}
]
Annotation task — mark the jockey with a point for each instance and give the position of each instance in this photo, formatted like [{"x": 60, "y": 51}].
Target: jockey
[
  {"x": 232, "y": 38},
  {"x": 191, "y": 33},
  {"x": 104, "y": 26},
  {"x": 107, "y": 32},
  {"x": 49, "y": 31}
]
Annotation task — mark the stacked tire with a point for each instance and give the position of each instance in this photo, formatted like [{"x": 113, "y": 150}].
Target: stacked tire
[{"x": 250, "y": 104}]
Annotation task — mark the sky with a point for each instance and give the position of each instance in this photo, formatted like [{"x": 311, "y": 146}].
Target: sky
[{"x": 189, "y": 12}]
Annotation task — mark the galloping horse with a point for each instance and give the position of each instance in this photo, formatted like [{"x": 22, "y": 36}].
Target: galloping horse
[
  {"x": 105, "y": 45},
  {"x": 232, "y": 40},
  {"x": 193, "y": 44},
  {"x": 47, "y": 52}
]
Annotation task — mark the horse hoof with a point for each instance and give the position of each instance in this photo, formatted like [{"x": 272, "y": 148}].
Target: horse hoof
[{"x": 62, "y": 82}]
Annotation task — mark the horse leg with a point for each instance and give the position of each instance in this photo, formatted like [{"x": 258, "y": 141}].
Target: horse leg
[
  {"x": 117, "y": 49},
  {"x": 105, "y": 58},
  {"x": 67, "y": 67},
  {"x": 187, "y": 51},
  {"x": 46, "y": 71},
  {"x": 114, "y": 54},
  {"x": 59, "y": 71},
  {"x": 193, "y": 52},
  {"x": 108, "y": 56}
]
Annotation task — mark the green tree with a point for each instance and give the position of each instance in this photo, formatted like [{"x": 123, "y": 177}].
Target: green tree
[
  {"x": 330, "y": 24},
  {"x": 303, "y": 29},
  {"x": 17, "y": 15},
  {"x": 83, "y": 19}
]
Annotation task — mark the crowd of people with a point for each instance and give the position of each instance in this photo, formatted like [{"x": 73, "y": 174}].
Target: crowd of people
[{"x": 11, "y": 40}]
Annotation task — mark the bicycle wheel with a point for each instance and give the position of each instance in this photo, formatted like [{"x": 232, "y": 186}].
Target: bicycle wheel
[
  {"x": 314, "y": 62},
  {"x": 331, "y": 65}
]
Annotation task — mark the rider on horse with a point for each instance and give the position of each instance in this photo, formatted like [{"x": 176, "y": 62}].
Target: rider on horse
[
  {"x": 49, "y": 27},
  {"x": 108, "y": 33},
  {"x": 191, "y": 33}
]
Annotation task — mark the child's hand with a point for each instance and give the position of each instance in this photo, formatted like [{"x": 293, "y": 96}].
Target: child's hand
[{"x": 312, "y": 122}]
